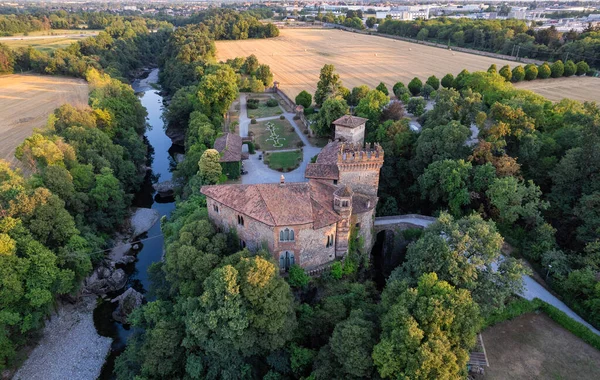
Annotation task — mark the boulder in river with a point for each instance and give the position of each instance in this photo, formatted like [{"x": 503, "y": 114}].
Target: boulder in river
[
  {"x": 142, "y": 220},
  {"x": 128, "y": 301},
  {"x": 177, "y": 135},
  {"x": 165, "y": 189},
  {"x": 105, "y": 279}
]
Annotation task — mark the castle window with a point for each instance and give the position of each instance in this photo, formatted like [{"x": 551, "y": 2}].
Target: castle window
[
  {"x": 329, "y": 241},
  {"x": 240, "y": 220},
  {"x": 357, "y": 225},
  {"x": 335, "y": 181},
  {"x": 242, "y": 244},
  {"x": 216, "y": 208},
  {"x": 344, "y": 203},
  {"x": 286, "y": 235}
]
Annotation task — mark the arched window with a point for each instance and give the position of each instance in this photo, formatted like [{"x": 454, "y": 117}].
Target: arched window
[
  {"x": 240, "y": 220},
  {"x": 286, "y": 235},
  {"x": 328, "y": 242}
]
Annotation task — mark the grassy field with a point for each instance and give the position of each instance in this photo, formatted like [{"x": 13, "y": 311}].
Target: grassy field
[
  {"x": 282, "y": 130},
  {"x": 284, "y": 161},
  {"x": 46, "y": 45},
  {"x": 263, "y": 110},
  {"x": 577, "y": 88},
  {"x": 297, "y": 56},
  {"x": 533, "y": 346},
  {"x": 26, "y": 101}
]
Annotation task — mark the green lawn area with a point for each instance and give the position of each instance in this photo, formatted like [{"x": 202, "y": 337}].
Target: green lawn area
[
  {"x": 281, "y": 136},
  {"x": 46, "y": 45},
  {"x": 263, "y": 110},
  {"x": 284, "y": 161}
]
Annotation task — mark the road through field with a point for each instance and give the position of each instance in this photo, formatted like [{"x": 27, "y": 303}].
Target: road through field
[
  {"x": 26, "y": 101},
  {"x": 297, "y": 55}
]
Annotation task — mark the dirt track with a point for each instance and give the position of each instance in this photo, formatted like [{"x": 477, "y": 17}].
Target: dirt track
[
  {"x": 26, "y": 101},
  {"x": 297, "y": 55}
]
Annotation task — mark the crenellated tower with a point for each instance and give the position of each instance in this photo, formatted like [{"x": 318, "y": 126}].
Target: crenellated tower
[{"x": 359, "y": 166}]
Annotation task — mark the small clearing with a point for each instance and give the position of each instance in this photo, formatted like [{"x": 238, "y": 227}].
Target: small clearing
[
  {"x": 533, "y": 346},
  {"x": 26, "y": 101}
]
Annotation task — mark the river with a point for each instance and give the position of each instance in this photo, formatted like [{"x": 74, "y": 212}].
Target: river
[{"x": 161, "y": 162}]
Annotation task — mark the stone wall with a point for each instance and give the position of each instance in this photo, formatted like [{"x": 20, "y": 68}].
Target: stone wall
[
  {"x": 365, "y": 182},
  {"x": 312, "y": 249},
  {"x": 352, "y": 135},
  {"x": 366, "y": 230}
]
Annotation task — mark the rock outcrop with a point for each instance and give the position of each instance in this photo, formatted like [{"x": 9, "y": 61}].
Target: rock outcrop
[
  {"x": 142, "y": 220},
  {"x": 105, "y": 279},
  {"x": 128, "y": 301}
]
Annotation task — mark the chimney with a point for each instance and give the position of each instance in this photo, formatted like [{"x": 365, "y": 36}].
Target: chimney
[{"x": 282, "y": 180}]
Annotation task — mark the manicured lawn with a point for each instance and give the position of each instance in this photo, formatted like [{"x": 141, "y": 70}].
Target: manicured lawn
[
  {"x": 263, "y": 110},
  {"x": 284, "y": 161},
  {"x": 281, "y": 136}
]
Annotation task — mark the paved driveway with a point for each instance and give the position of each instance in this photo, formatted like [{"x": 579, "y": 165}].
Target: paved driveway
[{"x": 258, "y": 172}]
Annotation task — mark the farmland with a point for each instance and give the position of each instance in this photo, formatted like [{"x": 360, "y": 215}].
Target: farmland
[
  {"x": 533, "y": 346},
  {"x": 47, "y": 41},
  {"x": 576, "y": 88},
  {"x": 26, "y": 101},
  {"x": 297, "y": 55}
]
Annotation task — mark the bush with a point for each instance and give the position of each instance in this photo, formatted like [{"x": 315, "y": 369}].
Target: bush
[
  {"x": 405, "y": 98},
  {"x": 309, "y": 111},
  {"x": 506, "y": 73},
  {"x": 252, "y": 104},
  {"x": 493, "y": 69},
  {"x": 296, "y": 117},
  {"x": 305, "y": 131},
  {"x": 415, "y": 86},
  {"x": 397, "y": 87},
  {"x": 336, "y": 270},
  {"x": 251, "y": 147},
  {"x": 531, "y": 72},
  {"x": 434, "y": 82},
  {"x": 518, "y": 74},
  {"x": 426, "y": 91},
  {"x": 281, "y": 117},
  {"x": 512, "y": 310},
  {"x": 448, "y": 81},
  {"x": 299, "y": 144},
  {"x": 297, "y": 277},
  {"x": 253, "y": 121},
  {"x": 393, "y": 111},
  {"x": 558, "y": 69},
  {"x": 416, "y": 106},
  {"x": 570, "y": 68},
  {"x": 582, "y": 68},
  {"x": 304, "y": 99},
  {"x": 381, "y": 87},
  {"x": 272, "y": 103},
  {"x": 544, "y": 71}
]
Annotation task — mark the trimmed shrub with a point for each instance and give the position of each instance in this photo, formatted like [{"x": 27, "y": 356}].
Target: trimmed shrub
[
  {"x": 582, "y": 68},
  {"x": 434, "y": 82},
  {"x": 558, "y": 69},
  {"x": 309, "y": 111},
  {"x": 415, "y": 86},
  {"x": 448, "y": 81},
  {"x": 405, "y": 98},
  {"x": 544, "y": 71},
  {"x": 381, "y": 87},
  {"x": 506, "y": 73},
  {"x": 299, "y": 144},
  {"x": 304, "y": 99},
  {"x": 493, "y": 69},
  {"x": 426, "y": 91},
  {"x": 397, "y": 87},
  {"x": 518, "y": 74},
  {"x": 296, "y": 117},
  {"x": 281, "y": 117},
  {"x": 272, "y": 103},
  {"x": 531, "y": 72},
  {"x": 253, "y": 121},
  {"x": 570, "y": 68},
  {"x": 252, "y": 104}
]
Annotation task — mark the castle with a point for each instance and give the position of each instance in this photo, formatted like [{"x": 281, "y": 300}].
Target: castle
[{"x": 308, "y": 223}]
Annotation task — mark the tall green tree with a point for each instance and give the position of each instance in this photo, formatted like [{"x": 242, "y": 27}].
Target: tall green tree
[{"x": 328, "y": 85}]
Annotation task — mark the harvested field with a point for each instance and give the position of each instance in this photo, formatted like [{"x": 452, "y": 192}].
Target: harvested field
[
  {"x": 26, "y": 101},
  {"x": 533, "y": 346},
  {"x": 577, "y": 88},
  {"x": 297, "y": 56}
]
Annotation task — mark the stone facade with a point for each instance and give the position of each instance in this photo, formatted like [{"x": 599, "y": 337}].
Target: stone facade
[{"x": 308, "y": 224}]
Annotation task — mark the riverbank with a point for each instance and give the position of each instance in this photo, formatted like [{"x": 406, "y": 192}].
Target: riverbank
[{"x": 70, "y": 348}]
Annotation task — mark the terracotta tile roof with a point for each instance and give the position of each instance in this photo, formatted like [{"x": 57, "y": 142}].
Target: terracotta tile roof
[
  {"x": 350, "y": 121},
  {"x": 329, "y": 153},
  {"x": 344, "y": 191},
  {"x": 279, "y": 205},
  {"x": 362, "y": 203},
  {"x": 230, "y": 147},
  {"x": 322, "y": 171}
]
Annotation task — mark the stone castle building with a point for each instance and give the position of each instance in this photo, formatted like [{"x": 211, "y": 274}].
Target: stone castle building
[{"x": 308, "y": 223}]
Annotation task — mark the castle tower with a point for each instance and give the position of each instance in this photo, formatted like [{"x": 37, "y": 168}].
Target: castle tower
[
  {"x": 359, "y": 167},
  {"x": 350, "y": 129},
  {"x": 342, "y": 204}
]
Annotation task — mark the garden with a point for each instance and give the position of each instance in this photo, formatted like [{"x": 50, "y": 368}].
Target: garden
[
  {"x": 275, "y": 135},
  {"x": 284, "y": 161},
  {"x": 262, "y": 106}
]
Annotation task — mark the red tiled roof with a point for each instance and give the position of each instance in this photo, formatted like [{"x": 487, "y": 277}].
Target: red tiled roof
[
  {"x": 322, "y": 171},
  {"x": 329, "y": 153},
  {"x": 230, "y": 147},
  {"x": 279, "y": 205},
  {"x": 350, "y": 121}
]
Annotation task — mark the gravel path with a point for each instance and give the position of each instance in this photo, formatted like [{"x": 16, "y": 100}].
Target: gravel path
[{"x": 70, "y": 347}]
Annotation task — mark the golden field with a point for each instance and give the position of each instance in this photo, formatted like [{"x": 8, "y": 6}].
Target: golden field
[
  {"x": 297, "y": 56},
  {"x": 26, "y": 101},
  {"x": 577, "y": 88}
]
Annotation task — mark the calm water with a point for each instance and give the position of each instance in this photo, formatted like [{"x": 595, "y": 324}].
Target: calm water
[{"x": 162, "y": 163}]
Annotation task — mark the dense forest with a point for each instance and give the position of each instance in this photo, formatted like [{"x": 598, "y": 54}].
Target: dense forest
[
  {"x": 56, "y": 221},
  {"x": 504, "y": 37}
]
